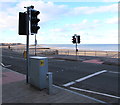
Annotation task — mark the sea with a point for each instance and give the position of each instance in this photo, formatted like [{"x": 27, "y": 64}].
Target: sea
[{"x": 93, "y": 47}]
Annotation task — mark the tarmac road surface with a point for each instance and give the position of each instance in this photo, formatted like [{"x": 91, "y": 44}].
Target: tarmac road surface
[{"x": 97, "y": 80}]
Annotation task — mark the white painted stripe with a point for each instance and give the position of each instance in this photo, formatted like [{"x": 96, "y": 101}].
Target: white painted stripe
[
  {"x": 7, "y": 66},
  {"x": 68, "y": 84},
  {"x": 113, "y": 72},
  {"x": 108, "y": 95},
  {"x": 89, "y": 76},
  {"x": 97, "y": 100},
  {"x": 4, "y": 65},
  {"x": 84, "y": 78}
]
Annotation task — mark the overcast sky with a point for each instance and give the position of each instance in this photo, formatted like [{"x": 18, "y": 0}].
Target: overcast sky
[{"x": 95, "y": 22}]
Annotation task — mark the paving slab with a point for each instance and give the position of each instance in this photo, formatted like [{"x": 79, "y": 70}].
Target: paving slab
[{"x": 18, "y": 91}]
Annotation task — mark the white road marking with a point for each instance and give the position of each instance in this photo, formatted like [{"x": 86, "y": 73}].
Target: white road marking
[
  {"x": 4, "y": 65},
  {"x": 113, "y": 72},
  {"x": 73, "y": 92},
  {"x": 108, "y": 95},
  {"x": 7, "y": 66},
  {"x": 68, "y": 84},
  {"x": 91, "y": 75},
  {"x": 84, "y": 78}
]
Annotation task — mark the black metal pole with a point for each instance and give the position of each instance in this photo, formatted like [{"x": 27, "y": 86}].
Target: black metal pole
[
  {"x": 27, "y": 46},
  {"x": 76, "y": 49},
  {"x": 35, "y": 44},
  {"x": 76, "y": 45}
]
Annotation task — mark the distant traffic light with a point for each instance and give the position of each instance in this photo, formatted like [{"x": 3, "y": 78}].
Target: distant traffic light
[
  {"x": 22, "y": 30},
  {"x": 34, "y": 21},
  {"x": 73, "y": 39},
  {"x": 78, "y": 39}
]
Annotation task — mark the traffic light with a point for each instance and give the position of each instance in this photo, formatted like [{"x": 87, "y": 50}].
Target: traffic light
[
  {"x": 78, "y": 39},
  {"x": 34, "y": 21},
  {"x": 73, "y": 39},
  {"x": 22, "y": 30}
]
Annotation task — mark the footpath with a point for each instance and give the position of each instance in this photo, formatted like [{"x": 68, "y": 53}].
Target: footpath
[
  {"x": 89, "y": 59},
  {"x": 16, "y": 90}
]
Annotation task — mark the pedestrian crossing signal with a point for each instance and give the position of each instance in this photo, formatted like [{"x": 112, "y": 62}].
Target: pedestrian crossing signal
[
  {"x": 34, "y": 21},
  {"x": 22, "y": 29},
  {"x": 78, "y": 39},
  {"x": 73, "y": 39}
]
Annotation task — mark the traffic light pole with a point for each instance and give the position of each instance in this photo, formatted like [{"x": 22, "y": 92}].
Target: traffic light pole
[
  {"x": 27, "y": 47},
  {"x": 76, "y": 50},
  {"x": 35, "y": 44},
  {"x": 27, "y": 42},
  {"x": 76, "y": 45},
  {"x": 26, "y": 21}
]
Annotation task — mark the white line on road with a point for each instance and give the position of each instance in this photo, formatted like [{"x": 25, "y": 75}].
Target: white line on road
[
  {"x": 91, "y": 75},
  {"x": 68, "y": 84},
  {"x": 73, "y": 92},
  {"x": 84, "y": 78},
  {"x": 108, "y": 95},
  {"x": 113, "y": 72},
  {"x": 4, "y": 65}
]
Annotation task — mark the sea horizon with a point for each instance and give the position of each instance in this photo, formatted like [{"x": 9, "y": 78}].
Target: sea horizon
[{"x": 96, "y": 47}]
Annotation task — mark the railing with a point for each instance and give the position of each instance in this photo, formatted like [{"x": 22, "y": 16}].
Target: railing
[
  {"x": 38, "y": 51},
  {"x": 110, "y": 54}
]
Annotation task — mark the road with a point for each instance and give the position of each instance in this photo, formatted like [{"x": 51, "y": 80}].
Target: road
[{"x": 96, "y": 80}]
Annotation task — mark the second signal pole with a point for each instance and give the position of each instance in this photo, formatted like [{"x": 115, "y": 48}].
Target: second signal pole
[{"x": 76, "y": 40}]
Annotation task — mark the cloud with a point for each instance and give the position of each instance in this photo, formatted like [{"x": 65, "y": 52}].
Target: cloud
[
  {"x": 110, "y": 1},
  {"x": 65, "y": 1},
  {"x": 77, "y": 27},
  {"x": 8, "y": 23},
  {"x": 82, "y": 26},
  {"x": 105, "y": 37},
  {"x": 91, "y": 10},
  {"x": 85, "y": 21},
  {"x": 96, "y": 21},
  {"x": 59, "y": 30},
  {"x": 48, "y": 11},
  {"x": 113, "y": 20}
]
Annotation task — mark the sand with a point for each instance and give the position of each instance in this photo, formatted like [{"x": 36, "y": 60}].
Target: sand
[{"x": 57, "y": 50}]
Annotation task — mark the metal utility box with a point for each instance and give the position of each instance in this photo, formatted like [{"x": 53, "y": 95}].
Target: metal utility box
[{"x": 38, "y": 71}]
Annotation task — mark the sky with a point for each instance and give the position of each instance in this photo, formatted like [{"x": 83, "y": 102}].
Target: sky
[{"x": 96, "y": 22}]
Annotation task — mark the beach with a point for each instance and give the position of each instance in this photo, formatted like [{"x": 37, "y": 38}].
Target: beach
[
  {"x": 108, "y": 57},
  {"x": 62, "y": 51}
]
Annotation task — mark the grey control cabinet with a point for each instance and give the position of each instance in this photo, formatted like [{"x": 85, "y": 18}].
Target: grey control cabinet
[{"x": 38, "y": 71}]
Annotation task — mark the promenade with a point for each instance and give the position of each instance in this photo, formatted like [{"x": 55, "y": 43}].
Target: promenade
[{"x": 15, "y": 90}]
